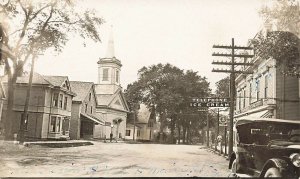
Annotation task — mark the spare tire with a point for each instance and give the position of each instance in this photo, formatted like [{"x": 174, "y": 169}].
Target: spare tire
[{"x": 273, "y": 172}]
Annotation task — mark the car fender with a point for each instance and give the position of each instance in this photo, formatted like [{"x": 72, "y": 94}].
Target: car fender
[
  {"x": 232, "y": 157},
  {"x": 281, "y": 164}
]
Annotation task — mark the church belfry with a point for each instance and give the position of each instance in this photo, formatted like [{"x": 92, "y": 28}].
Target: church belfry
[{"x": 109, "y": 68}]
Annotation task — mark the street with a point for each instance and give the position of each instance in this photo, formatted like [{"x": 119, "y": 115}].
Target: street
[{"x": 111, "y": 160}]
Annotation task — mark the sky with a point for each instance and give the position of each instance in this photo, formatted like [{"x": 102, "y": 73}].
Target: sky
[{"x": 147, "y": 32}]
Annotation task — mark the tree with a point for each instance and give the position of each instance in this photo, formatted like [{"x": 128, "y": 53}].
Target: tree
[
  {"x": 282, "y": 46},
  {"x": 34, "y": 27},
  {"x": 285, "y": 13},
  {"x": 222, "y": 90},
  {"x": 167, "y": 90}
]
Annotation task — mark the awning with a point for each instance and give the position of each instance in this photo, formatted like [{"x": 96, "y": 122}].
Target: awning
[
  {"x": 93, "y": 118},
  {"x": 258, "y": 114}
]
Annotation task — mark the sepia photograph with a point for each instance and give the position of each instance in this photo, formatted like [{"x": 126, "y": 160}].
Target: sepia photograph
[{"x": 149, "y": 88}]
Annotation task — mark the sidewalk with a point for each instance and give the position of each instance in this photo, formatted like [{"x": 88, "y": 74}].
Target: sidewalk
[
  {"x": 59, "y": 144},
  {"x": 218, "y": 151}
]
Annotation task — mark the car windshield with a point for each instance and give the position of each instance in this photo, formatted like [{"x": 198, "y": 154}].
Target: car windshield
[{"x": 262, "y": 133}]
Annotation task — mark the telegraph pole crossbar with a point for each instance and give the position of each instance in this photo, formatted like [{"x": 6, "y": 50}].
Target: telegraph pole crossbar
[{"x": 232, "y": 72}]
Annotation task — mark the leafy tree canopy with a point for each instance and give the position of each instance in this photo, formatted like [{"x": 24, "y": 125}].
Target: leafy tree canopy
[
  {"x": 223, "y": 85},
  {"x": 34, "y": 26},
  {"x": 284, "y": 14}
]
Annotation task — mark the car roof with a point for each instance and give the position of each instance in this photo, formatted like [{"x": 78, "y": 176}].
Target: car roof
[{"x": 248, "y": 120}]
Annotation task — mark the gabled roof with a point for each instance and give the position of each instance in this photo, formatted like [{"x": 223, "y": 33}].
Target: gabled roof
[
  {"x": 38, "y": 79},
  {"x": 56, "y": 80},
  {"x": 107, "y": 99},
  {"x": 81, "y": 89}
]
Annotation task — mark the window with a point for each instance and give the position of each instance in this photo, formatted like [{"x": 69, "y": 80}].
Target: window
[
  {"x": 55, "y": 99},
  {"x": 250, "y": 92},
  {"x": 91, "y": 109},
  {"x": 65, "y": 125},
  {"x": 138, "y": 134},
  {"x": 105, "y": 74},
  {"x": 244, "y": 99},
  {"x": 65, "y": 103},
  {"x": 55, "y": 123},
  {"x": 61, "y": 97},
  {"x": 150, "y": 124},
  {"x": 58, "y": 124},
  {"x": 257, "y": 89},
  {"x": 127, "y": 132},
  {"x": 117, "y": 76},
  {"x": 86, "y": 107},
  {"x": 52, "y": 123},
  {"x": 266, "y": 86},
  {"x": 90, "y": 96},
  {"x": 240, "y": 101}
]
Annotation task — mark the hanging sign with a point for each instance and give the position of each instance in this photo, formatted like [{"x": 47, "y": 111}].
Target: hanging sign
[{"x": 210, "y": 102}]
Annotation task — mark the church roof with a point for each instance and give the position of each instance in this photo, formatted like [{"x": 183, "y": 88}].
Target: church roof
[
  {"x": 81, "y": 89},
  {"x": 104, "y": 99},
  {"x": 107, "y": 99},
  {"x": 110, "y": 52}
]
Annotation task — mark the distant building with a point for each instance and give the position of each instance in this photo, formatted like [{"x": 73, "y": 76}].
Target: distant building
[
  {"x": 267, "y": 92},
  {"x": 130, "y": 131},
  {"x": 146, "y": 125},
  {"x": 49, "y": 110},
  {"x": 111, "y": 104},
  {"x": 85, "y": 123}
]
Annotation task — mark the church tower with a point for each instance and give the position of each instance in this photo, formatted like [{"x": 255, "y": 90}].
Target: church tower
[{"x": 109, "y": 69}]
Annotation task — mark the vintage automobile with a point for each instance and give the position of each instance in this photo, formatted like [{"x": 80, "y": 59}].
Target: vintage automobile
[{"x": 266, "y": 147}]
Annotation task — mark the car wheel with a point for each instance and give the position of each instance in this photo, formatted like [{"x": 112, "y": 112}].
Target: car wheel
[
  {"x": 273, "y": 172},
  {"x": 233, "y": 166}
]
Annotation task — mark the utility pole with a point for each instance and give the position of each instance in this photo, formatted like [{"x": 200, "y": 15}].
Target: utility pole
[
  {"x": 207, "y": 131},
  {"x": 232, "y": 72},
  {"x": 133, "y": 125}
]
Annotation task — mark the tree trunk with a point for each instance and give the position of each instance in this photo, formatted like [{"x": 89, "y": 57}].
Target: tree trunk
[
  {"x": 179, "y": 137},
  {"x": 172, "y": 130},
  {"x": 26, "y": 106},
  {"x": 162, "y": 120},
  {"x": 10, "y": 103},
  {"x": 188, "y": 135},
  {"x": 184, "y": 134}
]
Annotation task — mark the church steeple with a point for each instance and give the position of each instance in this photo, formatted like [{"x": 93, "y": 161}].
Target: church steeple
[
  {"x": 109, "y": 68},
  {"x": 110, "y": 52}
]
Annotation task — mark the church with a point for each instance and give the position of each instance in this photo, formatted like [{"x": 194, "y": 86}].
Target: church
[{"x": 111, "y": 104}]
